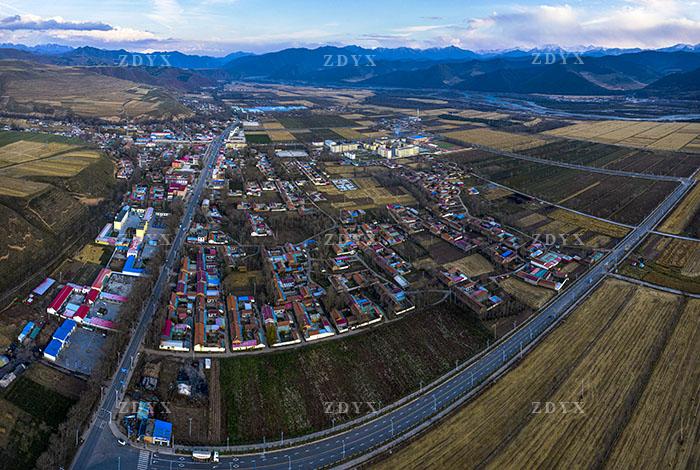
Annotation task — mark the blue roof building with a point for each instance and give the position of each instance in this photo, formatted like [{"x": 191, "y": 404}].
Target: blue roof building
[
  {"x": 52, "y": 349},
  {"x": 64, "y": 331},
  {"x": 162, "y": 432}
]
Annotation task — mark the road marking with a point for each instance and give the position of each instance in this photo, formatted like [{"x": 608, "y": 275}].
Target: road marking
[{"x": 144, "y": 458}]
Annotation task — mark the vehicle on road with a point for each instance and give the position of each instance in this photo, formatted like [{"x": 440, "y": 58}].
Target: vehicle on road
[
  {"x": 205, "y": 456},
  {"x": 121, "y": 442}
]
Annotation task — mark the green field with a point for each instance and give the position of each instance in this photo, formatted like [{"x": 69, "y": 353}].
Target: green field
[
  {"x": 265, "y": 395},
  {"x": 258, "y": 139},
  {"x": 30, "y": 414}
]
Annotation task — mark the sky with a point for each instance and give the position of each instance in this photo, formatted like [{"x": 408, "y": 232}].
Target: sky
[{"x": 218, "y": 27}]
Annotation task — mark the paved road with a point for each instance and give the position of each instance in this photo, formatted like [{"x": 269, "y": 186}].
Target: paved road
[
  {"x": 99, "y": 441},
  {"x": 383, "y": 429}
]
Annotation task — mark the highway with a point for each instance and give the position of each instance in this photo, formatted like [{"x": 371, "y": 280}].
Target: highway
[
  {"x": 354, "y": 444},
  {"x": 99, "y": 436}
]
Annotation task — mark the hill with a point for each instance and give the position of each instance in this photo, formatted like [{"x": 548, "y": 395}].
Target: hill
[
  {"x": 166, "y": 77},
  {"x": 553, "y": 72},
  {"x": 41, "y": 89},
  {"x": 680, "y": 85},
  {"x": 121, "y": 57},
  {"x": 51, "y": 188}
]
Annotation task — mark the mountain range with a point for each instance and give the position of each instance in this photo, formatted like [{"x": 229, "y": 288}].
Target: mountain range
[{"x": 667, "y": 72}]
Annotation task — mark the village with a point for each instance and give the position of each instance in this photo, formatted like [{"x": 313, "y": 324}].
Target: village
[{"x": 280, "y": 255}]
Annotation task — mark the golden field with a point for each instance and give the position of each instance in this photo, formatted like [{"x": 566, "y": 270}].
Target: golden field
[
  {"x": 627, "y": 355},
  {"x": 472, "y": 265},
  {"x": 532, "y": 296},
  {"x": 683, "y": 214},
  {"x": 676, "y": 136},
  {"x": 495, "y": 139}
]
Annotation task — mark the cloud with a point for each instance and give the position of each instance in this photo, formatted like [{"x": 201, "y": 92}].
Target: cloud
[
  {"x": 168, "y": 13},
  {"x": 36, "y": 23},
  {"x": 650, "y": 23}
]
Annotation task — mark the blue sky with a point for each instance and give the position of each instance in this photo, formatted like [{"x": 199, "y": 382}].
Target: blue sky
[{"x": 221, "y": 26}]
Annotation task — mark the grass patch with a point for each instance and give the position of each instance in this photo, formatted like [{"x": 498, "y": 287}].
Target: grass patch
[{"x": 40, "y": 402}]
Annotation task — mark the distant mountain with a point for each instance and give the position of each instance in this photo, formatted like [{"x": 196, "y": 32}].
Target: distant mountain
[
  {"x": 95, "y": 56},
  {"x": 550, "y": 79},
  {"x": 543, "y": 70},
  {"x": 547, "y": 69},
  {"x": 681, "y": 47},
  {"x": 18, "y": 54},
  {"x": 677, "y": 85},
  {"x": 47, "y": 49},
  {"x": 167, "y": 77}
]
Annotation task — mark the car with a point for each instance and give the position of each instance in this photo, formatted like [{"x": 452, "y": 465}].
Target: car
[{"x": 121, "y": 442}]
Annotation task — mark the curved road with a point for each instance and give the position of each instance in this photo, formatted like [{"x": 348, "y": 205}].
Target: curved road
[{"x": 384, "y": 429}]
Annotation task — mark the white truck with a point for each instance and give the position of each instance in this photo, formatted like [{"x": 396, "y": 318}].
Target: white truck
[{"x": 205, "y": 456}]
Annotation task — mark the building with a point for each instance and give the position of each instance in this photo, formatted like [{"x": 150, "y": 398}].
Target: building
[
  {"x": 335, "y": 147},
  {"x": 158, "y": 433}
]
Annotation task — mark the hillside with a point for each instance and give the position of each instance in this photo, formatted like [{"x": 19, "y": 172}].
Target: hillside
[
  {"x": 51, "y": 188},
  {"x": 550, "y": 72},
  {"x": 685, "y": 85},
  {"x": 166, "y": 77},
  {"x": 40, "y": 89}
]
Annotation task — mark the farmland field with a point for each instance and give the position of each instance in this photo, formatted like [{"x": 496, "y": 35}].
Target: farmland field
[
  {"x": 668, "y": 262},
  {"x": 496, "y": 139},
  {"x": 368, "y": 195},
  {"x": 472, "y": 265},
  {"x": 617, "y": 158},
  {"x": 43, "y": 201},
  {"x": 607, "y": 381},
  {"x": 620, "y": 199},
  {"x": 532, "y": 296},
  {"x": 315, "y": 121},
  {"x": 546, "y": 221},
  {"x": 663, "y": 431},
  {"x": 684, "y": 218},
  {"x": 675, "y": 136},
  {"x": 30, "y": 413},
  {"x": 284, "y": 391},
  {"x": 259, "y": 138},
  {"x": 615, "y": 356},
  {"x": 49, "y": 90}
]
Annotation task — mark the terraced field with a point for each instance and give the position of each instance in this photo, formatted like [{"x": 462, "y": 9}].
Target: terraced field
[
  {"x": 615, "y": 357},
  {"x": 42, "y": 197}
]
